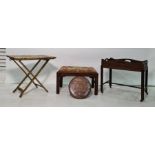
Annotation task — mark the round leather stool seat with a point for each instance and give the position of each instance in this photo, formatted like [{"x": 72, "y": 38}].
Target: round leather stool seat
[{"x": 80, "y": 87}]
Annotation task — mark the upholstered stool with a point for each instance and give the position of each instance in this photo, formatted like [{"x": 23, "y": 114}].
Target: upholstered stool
[
  {"x": 77, "y": 71},
  {"x": 79, "y": 87}
]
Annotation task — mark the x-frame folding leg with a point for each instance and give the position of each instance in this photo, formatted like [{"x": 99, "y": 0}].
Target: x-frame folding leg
[
  {"x": 39, "y": 83},
  {"x": 27, "y": 76},
  {"x": 28, "y": 73}
]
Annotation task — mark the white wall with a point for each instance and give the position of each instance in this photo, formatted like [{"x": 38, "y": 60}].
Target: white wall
[{"x": 82, "y": 57}]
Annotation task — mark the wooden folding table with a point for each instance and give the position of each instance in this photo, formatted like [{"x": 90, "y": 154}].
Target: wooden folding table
[{"x": 41, "y": 59}]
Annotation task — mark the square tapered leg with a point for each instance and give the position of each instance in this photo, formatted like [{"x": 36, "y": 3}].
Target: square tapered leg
[
  {"x": 96, "y": 85},
  {"x": 93, "y": 82},
  {"x": 110, "y": 77},
  {"x": 146, "y": 81},
  {"x": 142, "y": 86},
  {"x": 101, "y": 84},
  {"x": 58, "y": 83}
]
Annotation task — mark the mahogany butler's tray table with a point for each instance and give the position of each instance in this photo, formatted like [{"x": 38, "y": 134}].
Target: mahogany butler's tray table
[
  {"x": 41, "y": 59},
  {"x": 129, "y": 65}
]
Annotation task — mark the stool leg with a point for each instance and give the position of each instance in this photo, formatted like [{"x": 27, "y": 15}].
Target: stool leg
[
  {"x": 146, "y": 81},
  {"x": 142, "y": 86},
  {"x": 96, "y": 85},
  {"x": 58, "y": 84},
  {"x": 61, "y": 81},
  {"x": 93, "y": 81},
  {"x": 101, "y": 79},
  {"x": 110, "y": 77}
]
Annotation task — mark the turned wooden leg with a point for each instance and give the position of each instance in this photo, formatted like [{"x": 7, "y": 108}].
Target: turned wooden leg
[
  {"x": 110, "y": 77},
  {"x": 142, "y": 86}
]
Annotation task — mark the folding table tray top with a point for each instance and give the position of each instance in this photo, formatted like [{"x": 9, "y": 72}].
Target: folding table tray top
[{"x": 30, "y": 57}]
